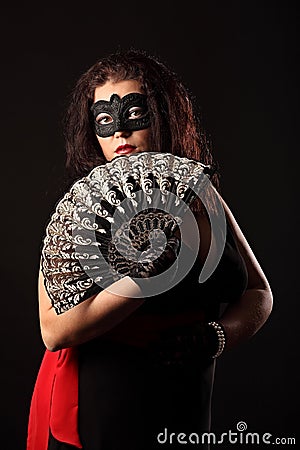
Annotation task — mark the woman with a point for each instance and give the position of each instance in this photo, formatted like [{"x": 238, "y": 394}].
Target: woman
[{"x": 123, "y": 371}]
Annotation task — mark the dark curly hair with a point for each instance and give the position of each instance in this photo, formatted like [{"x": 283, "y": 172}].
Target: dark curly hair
[{"x": 175, "y": 127}]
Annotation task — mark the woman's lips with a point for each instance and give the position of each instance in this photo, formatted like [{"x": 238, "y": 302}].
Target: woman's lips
[{"x": 125, "y": 149}]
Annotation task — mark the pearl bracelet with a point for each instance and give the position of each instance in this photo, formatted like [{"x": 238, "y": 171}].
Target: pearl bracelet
[{"x": 221, "y": 337}]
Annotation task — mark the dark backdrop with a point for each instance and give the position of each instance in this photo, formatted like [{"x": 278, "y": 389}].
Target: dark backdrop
[{"x": 239, "y": 61}]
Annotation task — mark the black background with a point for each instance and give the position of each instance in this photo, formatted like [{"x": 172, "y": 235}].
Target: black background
[{"x": 239, "y": 59}]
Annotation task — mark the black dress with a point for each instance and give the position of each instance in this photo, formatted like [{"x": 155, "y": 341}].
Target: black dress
[{"x": 132, "y": 397}]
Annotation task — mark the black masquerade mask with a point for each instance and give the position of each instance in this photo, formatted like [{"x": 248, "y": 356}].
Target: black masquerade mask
[{"x": 127, "y": 113}]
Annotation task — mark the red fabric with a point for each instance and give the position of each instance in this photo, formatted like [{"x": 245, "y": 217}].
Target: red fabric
[{"x": 54, "y": 403}]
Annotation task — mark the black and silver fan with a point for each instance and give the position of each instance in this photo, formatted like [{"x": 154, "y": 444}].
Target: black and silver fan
[{"x": 116, "y": 219}]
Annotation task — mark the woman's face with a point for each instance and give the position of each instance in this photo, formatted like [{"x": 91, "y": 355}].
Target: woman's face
[{"x": 122, "y": 122}]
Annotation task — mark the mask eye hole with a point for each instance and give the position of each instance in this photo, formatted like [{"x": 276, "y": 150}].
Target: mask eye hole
[
  {"x": 104, "y": 119},
  {"x": 136, "y": 112}
]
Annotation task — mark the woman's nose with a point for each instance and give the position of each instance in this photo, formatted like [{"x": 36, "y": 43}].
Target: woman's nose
[{"x": 120, "y": 133}]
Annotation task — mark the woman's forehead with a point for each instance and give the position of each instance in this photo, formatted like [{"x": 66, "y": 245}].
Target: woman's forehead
[{"x": 121, "y": 88}]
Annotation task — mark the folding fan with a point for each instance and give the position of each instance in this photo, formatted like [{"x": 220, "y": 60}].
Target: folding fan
[{"x": 114, "y": 221}]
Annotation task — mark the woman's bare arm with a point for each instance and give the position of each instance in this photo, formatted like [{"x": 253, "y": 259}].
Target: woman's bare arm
[
  {"x": 245, "y": 317},
  {"x": 89, "y": 319}
]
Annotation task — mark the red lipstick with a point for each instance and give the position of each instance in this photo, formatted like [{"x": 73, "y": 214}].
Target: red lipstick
[{"x": 125, "y": 149}]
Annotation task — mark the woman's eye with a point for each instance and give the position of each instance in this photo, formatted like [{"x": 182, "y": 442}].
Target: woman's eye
[
  {"x": 104, "y": 119},
  {"x": 136, "y": 112}
]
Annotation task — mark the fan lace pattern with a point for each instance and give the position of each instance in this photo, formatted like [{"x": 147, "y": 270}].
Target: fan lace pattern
[{"x": 113, "y": 210}]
